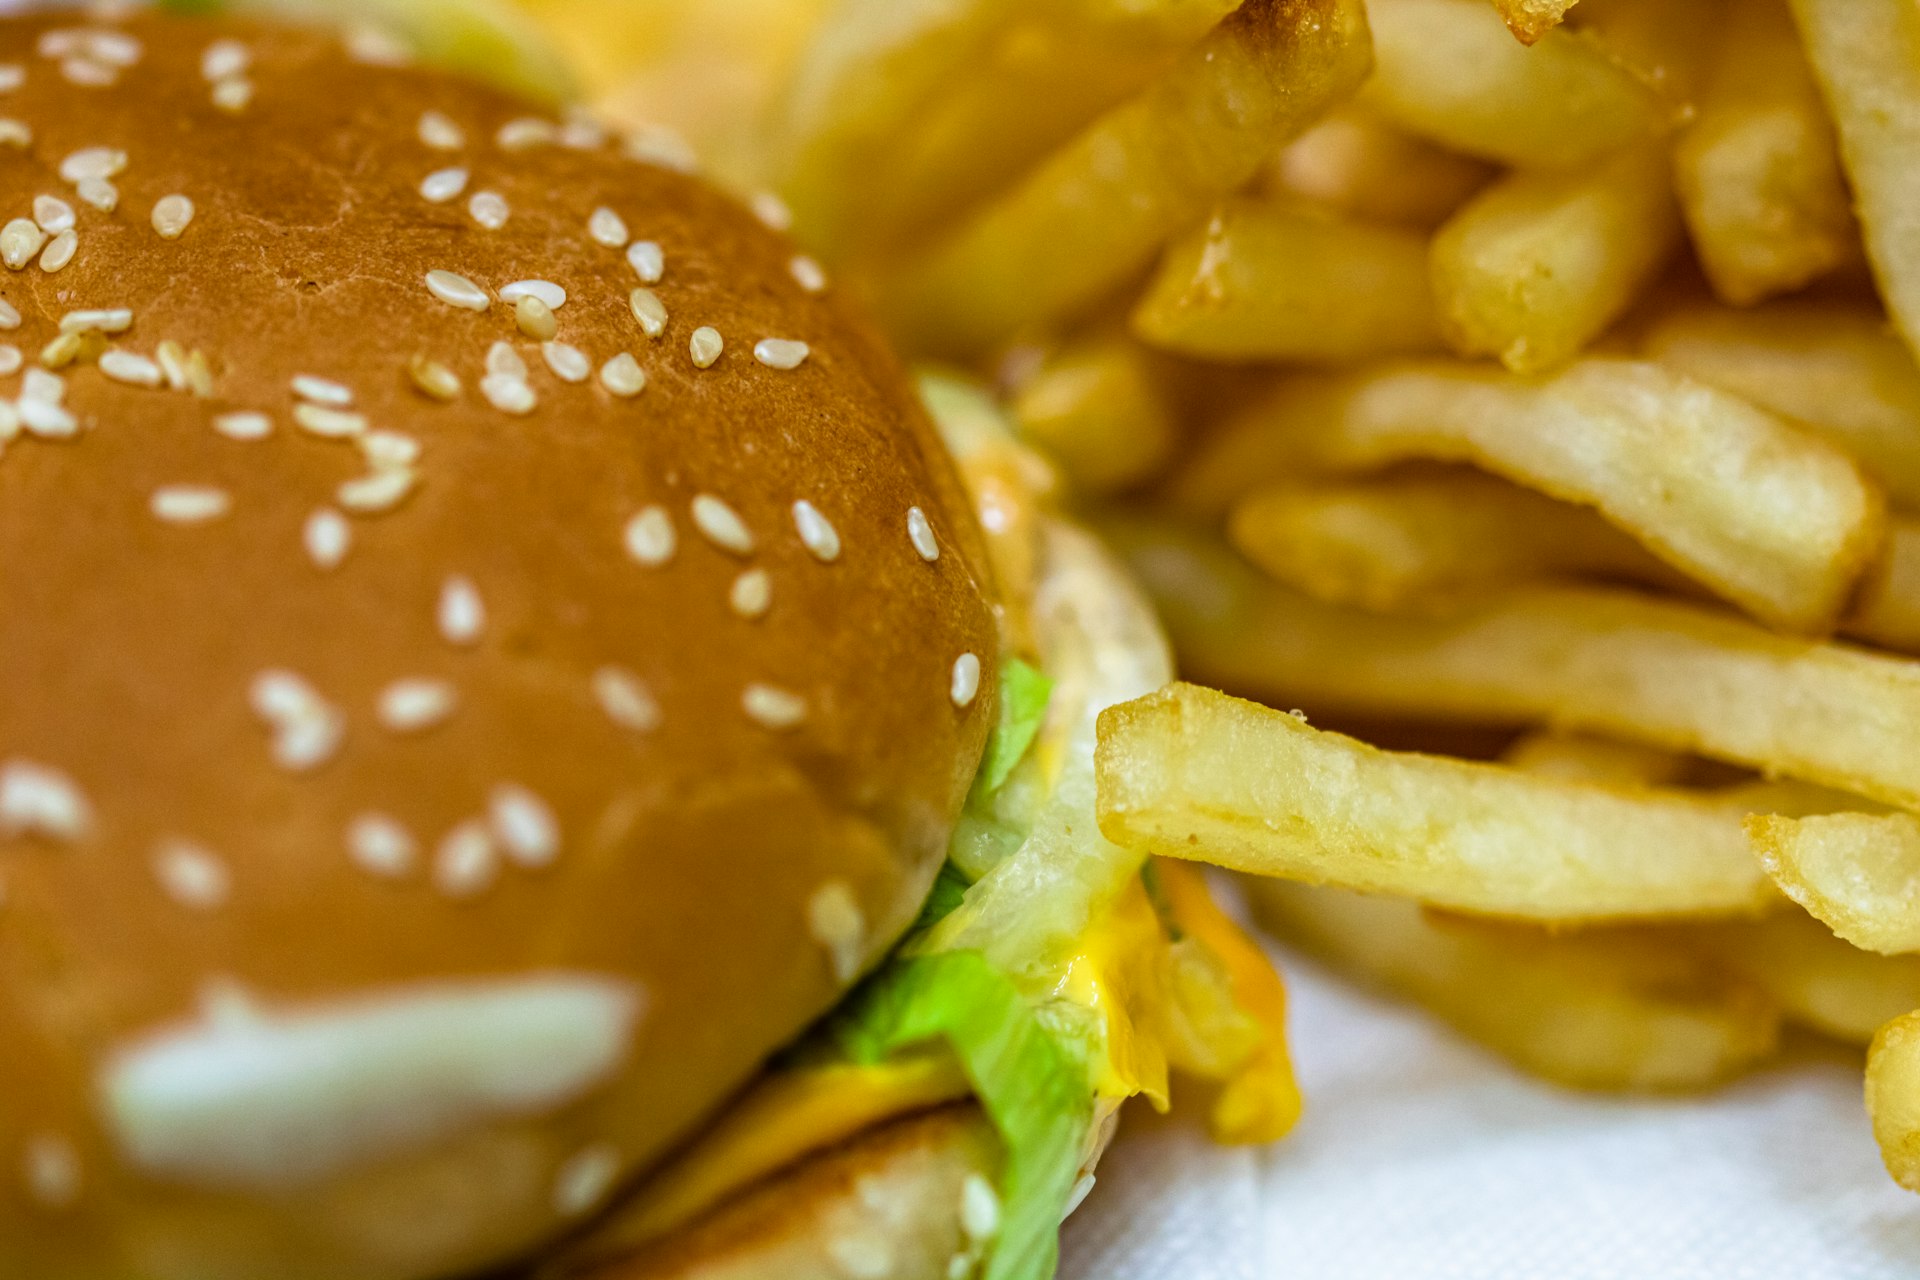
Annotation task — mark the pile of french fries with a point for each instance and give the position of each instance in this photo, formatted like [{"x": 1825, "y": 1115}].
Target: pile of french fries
[{"x": 1539, "y": 390}]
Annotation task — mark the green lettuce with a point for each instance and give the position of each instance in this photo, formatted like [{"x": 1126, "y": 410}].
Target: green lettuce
[
  {"x": 1024, "y": 693},
  {"x": 1031, "y": 1083}
]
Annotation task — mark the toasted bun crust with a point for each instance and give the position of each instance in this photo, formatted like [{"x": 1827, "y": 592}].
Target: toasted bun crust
[{"x": 249, "y": 1033}]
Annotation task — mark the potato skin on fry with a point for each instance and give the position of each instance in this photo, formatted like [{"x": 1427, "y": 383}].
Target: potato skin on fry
[{"x": 1893, "y": 1097}]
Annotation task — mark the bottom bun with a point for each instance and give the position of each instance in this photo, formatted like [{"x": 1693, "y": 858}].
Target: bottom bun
[{"x": 885, "y": 1205}]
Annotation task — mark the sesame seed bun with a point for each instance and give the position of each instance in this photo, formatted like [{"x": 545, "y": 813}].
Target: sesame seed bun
[{"x": 434, "y": 774}]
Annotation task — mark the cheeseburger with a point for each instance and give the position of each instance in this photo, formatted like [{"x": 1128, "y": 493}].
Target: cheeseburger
[{"x": 523, "y": 749}]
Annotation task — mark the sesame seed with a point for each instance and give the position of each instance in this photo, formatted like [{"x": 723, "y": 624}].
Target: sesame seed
[
  {"x": 381, "y": 846},
  {"x": 381, "y": 491},
  {"x": 9, "y": 422},
  {"x": 329, "y": 424},
  {"x": 15, "y": 133},
  {"x": 920, "y": 533},
  {"x": 569, "y": 364},
  {"x": 415, "y": 704},
  {"x": 466, "y": 862},
  {"x": 108, "y": 320},
  {"x": 751, "y": 594},
  {"x": 705, "y": 346},
  {"x": 658, "y": 144},
  {"x": 584, "y": 1180},
  {"x": 52, "y": 1171},
  {"x": 457, "y": 291},
  {"x": 89, "y": 74},
  {"x": 114, "y": 48},
  {"x": 626, "y": 699},
  {"x": 622, "y": 376},
  {"x": 93, "y": 162},
  {"x": 279, "y": 696},
  {"x": 650, "y": 537},
  {"x": 545, "y": 290},
  {"x": 441, "y": 133},
  {"x": 131, "y": 368},
  {"x": 816, "y": 531},
  {"x": 648, "y": 260},
  {"x": 199, "y": 374},
  {"x": 807, "y": 273},
  {"x": 322, "y": 391},
  {"x": 38, "y": 800},
  {"x": 443, "y": 185},
  {"x": 233, "y": 94},
  {"x": 535, "y": 318},
  {"x": 191, "y": 875},
  {"x": 62, "y": 351},
  {"x": 189, "y": 503},
  {"x": 966, "y": 679},
  {"x": 59, "y": 251},
  {"x": 328, "y": 537},
  {"x": 773, "y": 707},
  {"x": 647, "y": 309},
  {"x": 52, "y": 214},
  {"x": 771, "y": 210},
  {"x": 722, "y": 525},
  {"x": 461, "y": 614},
  {"x": 526, "y": 133},
  {"x": 489, "y": 209},
  {"x": 608, "y": 228},
  {"x": 9, "y": 315},
  {"x": 10, "y": 362},
  {"x": 524, "y": 825},
  {"x": 836, "y": 922},
  {"x": 583, "y": 133},
  {"x": 503, "y": 360},
  {"x": 98, "y": 193},
  {"x": 979, "y": 1209},
  {"x": 378, "y": 46},
  {"x": 46, "y": 420},
  {"x": 20, "y": 240},
  {"x": 433, "y": 379},
  {"x": 12, "y": 76},
  {"x": 40, "y": 385},
  {"x": 385, "y": 450},
  {"x": 244, "y": 426},
  {"x": 508, "y": 394},
  {"x": 171, "y": 214},
  {"x": 224, "y": 58},
  {"x": 780, "y": 353},
  {"x": 307, "y": 743}
]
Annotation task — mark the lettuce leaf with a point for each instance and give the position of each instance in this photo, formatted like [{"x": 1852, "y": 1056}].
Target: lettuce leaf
[
  {"x": 1024, "y": 693},
  {"x": 1033, "y": 1086}
]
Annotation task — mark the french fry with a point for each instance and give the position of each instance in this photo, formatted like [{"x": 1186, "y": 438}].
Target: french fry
[
  {"x": 1887, "y": 610},
  {"x": 1531, "y": 19},
  {"x": 1449, "y": 71},
  {"x": 1665, "y": 44},
  {"x": 1758, "y": 169},
  {"x": 1096, "y": 407},
  {"x": 1427, "y": 542},
  {"x": 1752, "y": 507},
  {"x": 1576, "y": 757},
  {"x": 1893, "y": 1097},
  {"x": 953, "y": 102},
  {"x": 1866, "y": 56},
  {"x": 1094, "y": 213},
  {"x": 1856, "y": 872},
  {"x": 1355, "y": 163},
  {"x": 1818, "y": 980},
  {"x": 1610, "y": 662},
  {"x": 1607, "y": 1009},
  {"x": 1265, "y": 282},
  {"x": 1191, "y": 773},
  {"x": 1535, "y": 267},
  {"x": 1836, "y": 368}
]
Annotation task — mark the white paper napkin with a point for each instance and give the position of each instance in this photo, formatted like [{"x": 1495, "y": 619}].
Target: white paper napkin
[{"x": 1422, "y": 1157}]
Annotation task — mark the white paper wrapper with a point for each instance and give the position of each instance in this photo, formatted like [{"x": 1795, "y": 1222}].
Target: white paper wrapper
[{"x": 1421, "y": 1157}]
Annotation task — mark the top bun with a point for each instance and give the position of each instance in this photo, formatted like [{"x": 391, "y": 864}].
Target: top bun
[{"x": 401, "y": 843}]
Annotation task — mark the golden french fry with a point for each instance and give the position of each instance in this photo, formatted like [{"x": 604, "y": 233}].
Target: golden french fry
[
  {"x": 1758, "y": 169},
  {"x": 1579, "y": 757},
  {"x": 1866, "y": 56},
  {"x": 1818, "y": 980},
  {"x": 1856, "y": 872},
  {"x": 1448, "y": 70},
  {"x": 1752, "y": 507},
  {"x": 1665, "y": 44},
  {"x": 1355, "y": 163},
  {"x": 1605, "y": 1009},
  {"x": 1893, "y": 1097},
  {"x": 1833, "y": 367},
  {"x": 1096, "y": 407},
  {"x": 1611, "y": 662},
  {"x": 1093, "y": 214},
  {"x": 1266, "y": 282},
  {"x": 1191, "y": 773},
  {"x": 953, "y": 102},
  {"x": 1532, "y": 269},
  {"x": 1427, "y": 542},
  {"x": 1887, "y": 610},
  {"x": 1531, "y": 19}
]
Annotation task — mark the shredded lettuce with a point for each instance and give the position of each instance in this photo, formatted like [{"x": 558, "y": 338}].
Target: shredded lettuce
[
  {"x": 1030, "y": 1082},
  {"x": 1024, "y": 693}
]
